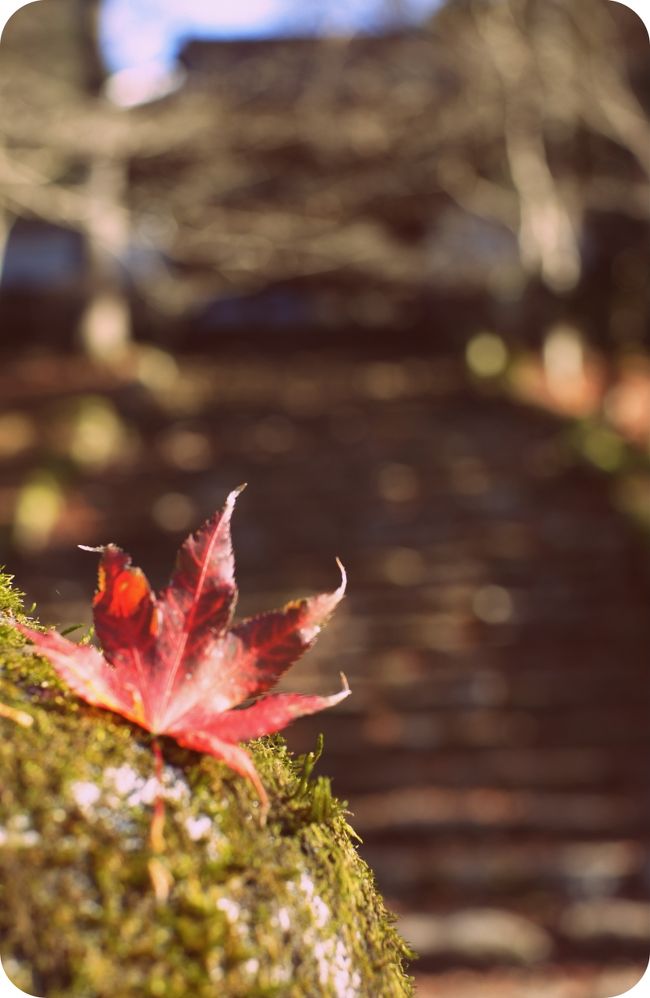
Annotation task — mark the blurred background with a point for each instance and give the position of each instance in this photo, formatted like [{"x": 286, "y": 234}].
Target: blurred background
[{"x": 388, "y": 263}]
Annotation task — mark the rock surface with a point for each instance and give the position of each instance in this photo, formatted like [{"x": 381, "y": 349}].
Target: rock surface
[{"x": 227, "y": 908}]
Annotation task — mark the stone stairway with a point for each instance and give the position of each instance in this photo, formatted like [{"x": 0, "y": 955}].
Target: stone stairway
[{"x": 496, "y": 636}]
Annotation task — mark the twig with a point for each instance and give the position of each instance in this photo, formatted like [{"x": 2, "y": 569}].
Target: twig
[{"x": 17, "y": 716}]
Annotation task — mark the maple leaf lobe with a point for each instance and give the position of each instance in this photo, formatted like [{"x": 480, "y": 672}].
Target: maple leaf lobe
[
  {"x": 125, "y": 587},
  {"x": 202, "y": 593},
  {"x": 123, "y": 609}
]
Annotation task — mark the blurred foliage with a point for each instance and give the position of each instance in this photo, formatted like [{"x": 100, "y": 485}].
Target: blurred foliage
[{"x": 499, "y": 154}]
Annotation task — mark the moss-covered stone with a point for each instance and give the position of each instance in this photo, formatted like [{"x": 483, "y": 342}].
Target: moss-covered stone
[{"x": 285, "y": 910}]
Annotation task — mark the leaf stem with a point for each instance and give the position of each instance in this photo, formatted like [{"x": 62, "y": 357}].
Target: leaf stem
[
  {"x": 156, "y": 831},
  {"x": 161, "y": 879}
]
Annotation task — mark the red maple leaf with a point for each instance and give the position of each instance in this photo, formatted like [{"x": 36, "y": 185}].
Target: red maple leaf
[{"x": 173, "y": 664}]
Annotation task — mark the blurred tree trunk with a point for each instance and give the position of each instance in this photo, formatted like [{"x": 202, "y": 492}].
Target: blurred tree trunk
[
  {"x": 547, "y": 234},
  {"x": 5, "y": 229},
  {"x": 105, "y": 325},
  {"x": 92, "y": 70}
]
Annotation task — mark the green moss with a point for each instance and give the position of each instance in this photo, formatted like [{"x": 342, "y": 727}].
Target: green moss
[
  {"x": 285, "y": 910},
  {"x": 11, "y": 600}
]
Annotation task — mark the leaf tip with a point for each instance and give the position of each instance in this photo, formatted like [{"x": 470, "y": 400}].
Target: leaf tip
[
  {"x": 231, "y": 499},
  {"x": 344, "y": 579},
  {"x": 232, "y": 496},
  {"x": 345, "y": 692}
]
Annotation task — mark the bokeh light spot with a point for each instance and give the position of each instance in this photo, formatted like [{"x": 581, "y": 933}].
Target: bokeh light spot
[
  {"x": 486, "y": 355},
  {"x": 173, "y": 511},
  {"x": 492, "y": 604}
]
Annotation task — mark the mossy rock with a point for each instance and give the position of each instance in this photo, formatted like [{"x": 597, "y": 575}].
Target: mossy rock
[{"x": 228, "y": 908}]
